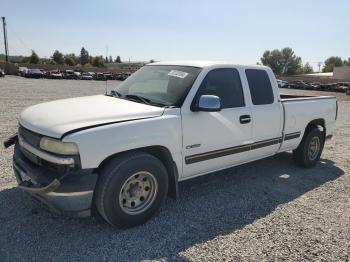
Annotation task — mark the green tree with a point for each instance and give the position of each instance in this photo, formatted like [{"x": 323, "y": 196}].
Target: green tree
[
  {"x": 118, "y": 60},
  {"x": 76, "y": 60},
  {"x": 69, "y": 60},
  {"x": 34, "y": 58},
  {"x": 98, "y": 61},
  {"x": 282, "y": 62},
  {"x": 307, "y": 69},
  {"x": 347, "y": 62},
  {"x": 273, "y": 60},
  {"x": 291, "y": 63},
  {"x": 332, "y": 62},
  {"x": 58, "y": 57},
  {"x": 84, "y": 56},
  {"x": 151, "y": 61},
  {"x": 25, "y": 59}
]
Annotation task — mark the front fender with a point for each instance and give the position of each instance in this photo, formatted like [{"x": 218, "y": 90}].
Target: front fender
[{"x": 98, "y": 143}]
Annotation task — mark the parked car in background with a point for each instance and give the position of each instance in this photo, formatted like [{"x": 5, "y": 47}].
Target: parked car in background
[
  {"x": 315, "y": 86},
  {"x": 77, "y": 75},
  {"x": 86, "y": 76},
  {"x": 100, "y": 77},
  {"x": 2, "y": 73},
  {"x": 328, "y": 87},
  {"x": 69, "y": 74},
  {"x": 93, "y": 74},
  {"x": 298, "y": 85},
  {"x": 347, "y": 84},
  {"x": 108, "y": 76},
  {"x": 281, "y": 83},
  {"x": 55, "y": 74},
  {"x": 117, "y": 76},
  {"x": 340, "y": 89},
  {"x": 34, "y": 73},
  {"x": 44, "y": 72},
  {"x": 121, "y": 76},
  {"x": 22, "y": 71}
]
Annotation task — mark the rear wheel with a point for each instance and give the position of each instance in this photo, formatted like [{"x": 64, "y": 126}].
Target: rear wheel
[
  {"x": 310, "y": 149},
  {"x": 131, "y": 189}
]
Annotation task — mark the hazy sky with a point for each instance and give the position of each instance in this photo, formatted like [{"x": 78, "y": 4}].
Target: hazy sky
[{"x": 179, "y": 30}]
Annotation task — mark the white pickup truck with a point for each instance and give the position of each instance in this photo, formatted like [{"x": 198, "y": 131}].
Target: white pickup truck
[{"x": 122, "y": 153}]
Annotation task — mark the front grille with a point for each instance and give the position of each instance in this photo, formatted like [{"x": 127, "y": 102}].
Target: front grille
[
  {"x": 33, "y": 139},
  {"x": 29, "y": 136},
  {"x": 31, "y": 157}
]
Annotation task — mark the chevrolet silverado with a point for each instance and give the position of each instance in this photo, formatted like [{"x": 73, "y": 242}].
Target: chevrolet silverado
[{"x": 122, "y": 153}]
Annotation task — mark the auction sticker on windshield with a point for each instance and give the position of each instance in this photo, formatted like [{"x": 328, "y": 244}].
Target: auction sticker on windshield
[{"x": 176, "y": 73}]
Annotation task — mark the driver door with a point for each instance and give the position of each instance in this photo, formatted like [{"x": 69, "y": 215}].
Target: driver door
[{"x": 215, "y": 140}]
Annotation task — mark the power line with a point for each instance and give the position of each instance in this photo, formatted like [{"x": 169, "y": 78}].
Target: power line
[{"x": 19, "y": 39}]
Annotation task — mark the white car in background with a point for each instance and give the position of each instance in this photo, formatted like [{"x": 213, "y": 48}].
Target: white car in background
[
  {"x": 281, "y": 83},
  {"x": 77, "y": 75},
  {"x": 86, "y": 76}
]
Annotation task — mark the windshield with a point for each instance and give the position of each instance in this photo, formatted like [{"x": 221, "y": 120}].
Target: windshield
[{"x": 161, "y": 85}]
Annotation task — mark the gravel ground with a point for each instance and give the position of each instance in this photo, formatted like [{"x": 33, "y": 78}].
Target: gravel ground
[{"x": 266, "y": 210}]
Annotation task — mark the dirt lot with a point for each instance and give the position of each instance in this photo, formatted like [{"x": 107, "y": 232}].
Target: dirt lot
[{"x": 267, "y": 210}]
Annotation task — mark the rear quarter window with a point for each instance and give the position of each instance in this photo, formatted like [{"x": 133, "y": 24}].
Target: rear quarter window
[{"x": 259, "y": 86}]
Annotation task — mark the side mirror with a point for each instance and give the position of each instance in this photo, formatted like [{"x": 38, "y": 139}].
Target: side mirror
[{"x": 209, "y": 103}]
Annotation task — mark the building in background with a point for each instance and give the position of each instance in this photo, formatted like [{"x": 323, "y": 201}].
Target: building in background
[{"x": 342, "y": 72}]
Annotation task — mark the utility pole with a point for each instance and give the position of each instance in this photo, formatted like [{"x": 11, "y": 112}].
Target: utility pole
[{"x": 5, "y": 39}]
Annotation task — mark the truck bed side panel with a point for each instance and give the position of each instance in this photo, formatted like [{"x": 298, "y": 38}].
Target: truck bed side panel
[{"x": 300, "y": 112}]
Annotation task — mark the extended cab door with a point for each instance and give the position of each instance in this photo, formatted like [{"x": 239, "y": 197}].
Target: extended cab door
[
  {"x": 266, "y": 110},
  {"x": 215, "y": 140}
]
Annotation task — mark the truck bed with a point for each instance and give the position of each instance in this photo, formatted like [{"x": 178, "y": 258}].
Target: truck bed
[{"x": 300, "y": 110}]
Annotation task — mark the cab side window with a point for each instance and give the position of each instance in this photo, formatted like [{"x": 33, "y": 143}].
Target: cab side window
[
  {"x": 224, "y": 83},
  {"x": 259, "y": 86}
]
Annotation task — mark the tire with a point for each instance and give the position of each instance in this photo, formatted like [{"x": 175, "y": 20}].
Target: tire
[
  {"x": 131, "y": 189},
  {"x": 304, "y": 155}
]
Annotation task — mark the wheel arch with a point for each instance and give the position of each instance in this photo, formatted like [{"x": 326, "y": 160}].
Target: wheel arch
[
  {"x": 316, "y": 123},
  {"x": 164, "y": 155}
]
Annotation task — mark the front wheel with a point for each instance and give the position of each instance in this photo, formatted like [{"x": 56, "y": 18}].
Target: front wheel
[
  {"x": 131, "y": 189},
  {"x": 310, "y": 149}
]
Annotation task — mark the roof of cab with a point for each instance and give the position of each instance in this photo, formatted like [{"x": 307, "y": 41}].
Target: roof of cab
[{"x": 202, "y": 64}]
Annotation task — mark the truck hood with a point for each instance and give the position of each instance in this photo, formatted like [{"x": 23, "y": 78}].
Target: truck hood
[{"x": 56, "y": 118}]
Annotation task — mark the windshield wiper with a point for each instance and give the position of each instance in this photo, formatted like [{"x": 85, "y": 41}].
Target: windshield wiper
[
  {"x": 147, "y": 101},
  {"x": 144, "y": 100},
  {"x": 115, "y": 93},
  {"x": 139, "y": 98}
]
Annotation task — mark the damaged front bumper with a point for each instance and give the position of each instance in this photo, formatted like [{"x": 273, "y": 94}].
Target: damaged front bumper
[{"x": 63, "y": 189}]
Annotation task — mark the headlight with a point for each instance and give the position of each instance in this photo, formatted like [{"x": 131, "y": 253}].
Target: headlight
[{"x": 58, "y": 147}]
